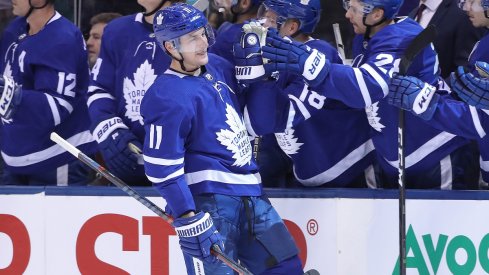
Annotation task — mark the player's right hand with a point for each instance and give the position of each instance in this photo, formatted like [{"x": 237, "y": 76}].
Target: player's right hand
[
  {"x": 197, "y": 236},
  {"x": 472, "y": 89},
  {"x": 118, "y": 151},
  {"x": 287, "y": 55},
  {"x": 412, "y": 94}
]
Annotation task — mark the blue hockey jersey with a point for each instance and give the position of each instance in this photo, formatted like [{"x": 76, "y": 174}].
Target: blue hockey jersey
[
  {"x": 54, "y": 86},
  {"x": 315, "y": 132},
  {"x": 366, "y": 85},
  {"x": 196, "y": 141},
  {"x": 129, "y": 61},
  {"x": 227, "y": 34}
]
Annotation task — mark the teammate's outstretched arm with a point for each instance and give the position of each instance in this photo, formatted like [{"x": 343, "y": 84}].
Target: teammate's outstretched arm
[{"x": 437, "y": 107}]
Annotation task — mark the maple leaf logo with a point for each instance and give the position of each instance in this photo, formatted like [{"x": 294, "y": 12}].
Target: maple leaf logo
[
  {"x": 373, "y": 117},
  {"x": 288, "y": 142},
  {"x": 236, "y": 138},
  {"x": 134, "y": 90}
]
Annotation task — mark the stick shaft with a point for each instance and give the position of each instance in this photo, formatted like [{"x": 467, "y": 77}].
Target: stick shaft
[{"x": 133, "y": 193}]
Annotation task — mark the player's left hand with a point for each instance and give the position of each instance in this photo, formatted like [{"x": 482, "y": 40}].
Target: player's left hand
[
  {"x": 412, "y": 94},
  {"x": 472, "y": 89},
  {"x": 287, "y": 55},
  {"x": 198, "y": 235},
  {"x": 10, "y": 97}
]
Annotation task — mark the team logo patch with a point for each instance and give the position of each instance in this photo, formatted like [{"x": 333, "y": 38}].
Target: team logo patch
[
  {"x": 251, "y": 40},
  {"x": 159, "y": 19}
]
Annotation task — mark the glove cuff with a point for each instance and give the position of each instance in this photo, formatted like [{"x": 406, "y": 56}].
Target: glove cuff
[
  {"x": 249, "y": 72},
  {"x": 193, "y": 226},
  {"x": 10, "y": 97},
  {"x": 106, "y": 127},
  {"x": 313, "y": 65}
]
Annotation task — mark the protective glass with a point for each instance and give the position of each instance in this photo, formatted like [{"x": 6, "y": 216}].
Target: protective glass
[
  {"x": 196, "y": 41},
  {"x": 269, "y": 18}
]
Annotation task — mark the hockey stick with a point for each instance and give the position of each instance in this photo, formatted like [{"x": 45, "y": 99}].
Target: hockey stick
[
  {"x": 339, "y": 41},
  {"x": 419, "y": 43},
  {"x": 216, "y": 251}
]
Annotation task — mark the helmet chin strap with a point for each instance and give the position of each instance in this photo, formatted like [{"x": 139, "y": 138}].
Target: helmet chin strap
[
  {"x": 366, "y": 36},
  {"x": 146, "y": 14},
  {"x": 32, "y": 7}
]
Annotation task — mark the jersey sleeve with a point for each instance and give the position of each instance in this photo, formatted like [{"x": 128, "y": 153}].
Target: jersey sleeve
[
  {"x": 59, "y": 84},
  {"x": 167, "y": 123},
  {"x": 459, "y": 118},
  {"x": 101, "y": 100}
]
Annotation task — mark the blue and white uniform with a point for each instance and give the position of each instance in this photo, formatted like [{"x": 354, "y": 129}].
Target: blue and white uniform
[
  {"x": 429, "y": 159},
  {"x": 315, "y": 132},
  {"x": 128, "y": 64},
  {"x": 198, "y": 155},
  {"x": 461, "y": 119},
  {"x": 54, "y": 86}
]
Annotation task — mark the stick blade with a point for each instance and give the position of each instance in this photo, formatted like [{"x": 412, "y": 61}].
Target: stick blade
[{"x": 421, "y": 41}]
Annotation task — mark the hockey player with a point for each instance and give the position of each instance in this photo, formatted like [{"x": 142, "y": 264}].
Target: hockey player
[
  {"x": 43, "y": 91},
  {"x": 323, "y": 149},
  {"x": 443, "y": 111},
  {"x": 198, "y": 156},
  {"x": 127, "y": 66},
  {"x": 431, "y": 155}
]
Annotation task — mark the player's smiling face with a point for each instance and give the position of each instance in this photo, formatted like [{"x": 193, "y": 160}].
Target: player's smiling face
[
  {"x": 354, "y": 13},
  {"x": 193, "y": 47}
]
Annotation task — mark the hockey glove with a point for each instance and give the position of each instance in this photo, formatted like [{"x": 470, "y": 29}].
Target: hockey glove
[
  {"x": 121, "y": 151},
  {"x": 471, "y": 89},
  {"x": 11, "y": 97},
  {"x": 248, "y": 59},
  {"x": 286, "y": 55},
  {"x": 412, "y": 94},
  {"x": 197, "y": 236}
]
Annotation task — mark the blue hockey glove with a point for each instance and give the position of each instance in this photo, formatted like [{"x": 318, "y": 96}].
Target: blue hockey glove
[
  {"x": 197, "y": 236},
  {"x": 121, "y": 150},
  {"x": 286, "y": 55},
  {"x": 412, "y": 94},
  {"x": 248, "y": 59},
  {"x": 472, "y": 89},
  {"x": 11, "y": 97}
]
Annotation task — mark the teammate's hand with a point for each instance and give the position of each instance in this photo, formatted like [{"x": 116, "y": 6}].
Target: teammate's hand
[
  {"x": 474, "y": 90},
  {"x": 248, "y": 58},
  {"x": 256, "y": 28},
  {"x": 287, "y": 55},
  {"x": 197, "y": 236},
  {"x": 11, "y": 97},
  {"x": 121, "y": 151},
  {"x": 412, "y": 94}
]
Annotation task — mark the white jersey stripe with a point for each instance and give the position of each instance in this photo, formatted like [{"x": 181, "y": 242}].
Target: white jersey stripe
[
  {"x": 151, "y": 136},
  {"x": 477, "y": 122},
  {"x": 363, "y": 87},
  {"x": 36, "y": 157},
  {"x": 377, "y": 77},
  {"x": 340, "y": 167},
  {"x": 224, "y": 177},
  {"x": 175, "y": 174},
  {"x": 302, "y": 108},
  {"x": 160, "y": 161},
  {"x": 159, "y": 136},
  {"x": 423, "y": 151},
  {"x": 54, "y": 109}
]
